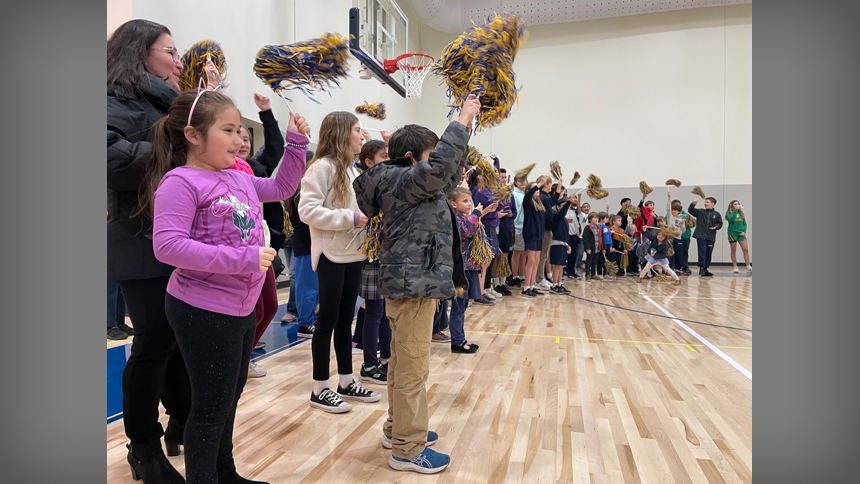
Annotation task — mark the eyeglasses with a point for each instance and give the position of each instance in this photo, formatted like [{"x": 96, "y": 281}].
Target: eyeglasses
[{"x": 172, "y": 51}]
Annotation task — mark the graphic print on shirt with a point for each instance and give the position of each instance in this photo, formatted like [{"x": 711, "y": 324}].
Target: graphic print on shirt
[{"x": 241, "y": 218}]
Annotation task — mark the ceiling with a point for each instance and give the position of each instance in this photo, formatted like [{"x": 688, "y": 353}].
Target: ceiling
[{"x": 454, "y": 16}]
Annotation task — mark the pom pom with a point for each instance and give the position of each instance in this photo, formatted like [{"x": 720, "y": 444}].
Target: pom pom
[
  {"x": 375, "y": 110},
  {"x": 461, "y": 291},
  {"x": 526, "y": 169},
  {"x": 555, "y": 170},
  {"x": 674, "y": 182},
  {"x": 611, "y": 267},
  {"x": 631, "y": 210},
  {"x": 597, "y": 193},
  {"x": 670, "y": 232},
  {"x": 628, "y": 243},
  {"x": 502, "y": 267},
  {"x": 594, "y": 181},
  {"x": 644, "y": 188},
  {"x": 575, "y": 178},
  {"x": 480, "y": 252},
  {"x": 480, "y": 61},
  {"x": 504, "y": 193},
  {"x": 373, "y": 238},
  {"x": 194, "y": 64},
  {"x": 310, "y": 66},
  {"x": 474, "y": 156},
  {"x": 698, "y": 191},
  {"x": 689, "y": 221},
  {"x": 625, "y": 261},
  {"x": 663, "y": 278}
]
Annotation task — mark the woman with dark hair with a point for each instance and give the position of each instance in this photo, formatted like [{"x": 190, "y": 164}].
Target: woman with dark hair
[{"x": 143, "y": 70}]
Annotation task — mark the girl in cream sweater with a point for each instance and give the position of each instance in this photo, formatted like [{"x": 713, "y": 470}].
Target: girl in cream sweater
[{"x": 328, "y": 206}]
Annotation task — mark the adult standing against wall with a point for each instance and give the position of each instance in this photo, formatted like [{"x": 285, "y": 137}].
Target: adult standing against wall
[{"x": 143, "y": 70}]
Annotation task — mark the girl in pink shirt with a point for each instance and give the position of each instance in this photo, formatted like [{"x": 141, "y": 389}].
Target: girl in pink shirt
[{"x": 207, "y": 222}]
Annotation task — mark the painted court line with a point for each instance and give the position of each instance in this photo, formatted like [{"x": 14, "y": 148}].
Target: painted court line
[{"x": 707, "y": 343}]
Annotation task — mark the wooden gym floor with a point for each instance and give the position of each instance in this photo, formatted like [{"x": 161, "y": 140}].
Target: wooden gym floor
[{"x": 618, "y": 384}]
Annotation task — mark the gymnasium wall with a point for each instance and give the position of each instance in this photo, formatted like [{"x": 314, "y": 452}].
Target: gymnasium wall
[{"x": 642, "y": 97}]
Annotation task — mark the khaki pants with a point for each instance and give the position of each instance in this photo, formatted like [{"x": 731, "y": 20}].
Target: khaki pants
[
  {"x": 544, "y": 255},
  {"x": 408, "y": 420}
]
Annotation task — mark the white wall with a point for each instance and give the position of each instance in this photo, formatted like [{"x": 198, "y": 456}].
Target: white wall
[
  {"x": 242, "y": 28},
  {"x": 645, "y": 96}
]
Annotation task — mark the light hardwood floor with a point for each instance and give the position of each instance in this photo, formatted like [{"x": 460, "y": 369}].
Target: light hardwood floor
[{"x": 562, "y": 391}]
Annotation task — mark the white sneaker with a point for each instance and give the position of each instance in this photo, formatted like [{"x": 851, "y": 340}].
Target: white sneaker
[
  {"x": 494, "y": 293},
  {"x": 749, "y": 269},
  {"x": 255, "y": 370},
  {"x": 489, "y": 295},
  {"x": 545, "y": 284},
  {"x": 735, "y": 270}
]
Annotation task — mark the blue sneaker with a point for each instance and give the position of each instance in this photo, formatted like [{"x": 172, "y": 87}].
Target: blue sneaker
[
  {"x": 432, "y": 437},
  {"x": 427, "y": 462}
]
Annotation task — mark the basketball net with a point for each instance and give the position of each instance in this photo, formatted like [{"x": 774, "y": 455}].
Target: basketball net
[{"x": 415, "y": 68}]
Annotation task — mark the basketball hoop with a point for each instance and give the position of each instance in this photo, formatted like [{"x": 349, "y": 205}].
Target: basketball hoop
[{"x": 415, "y": 67}]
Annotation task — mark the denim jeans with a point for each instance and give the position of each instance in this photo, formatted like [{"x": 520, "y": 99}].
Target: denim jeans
[
  {"x": 290, "y": 262},
  {"x": 376, "y": 332},
  {"x": 307, "y": 291},
  {"x": 706, "y": 249},
  {"x": 458, "y": 318},
  {"x": 440, "y": 319}
]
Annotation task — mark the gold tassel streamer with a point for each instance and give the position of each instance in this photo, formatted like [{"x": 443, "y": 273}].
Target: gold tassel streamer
[
  {"x": 644, "y": 188},
  {"x": 194, "y": 64},
  {"x": 555, "y": 170},
  {"x": 698, "y": 191},
  {"x": 373, "y": 238},
  {"x": 674, "y": 182},
  {"x": 575, "y": 178},
  {"x": 503, "y": 267},
  {"x": 375, "y": 110},
  {"x": 480, "y": 253}
]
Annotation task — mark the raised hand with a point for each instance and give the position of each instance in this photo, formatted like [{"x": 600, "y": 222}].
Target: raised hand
[
  {"x": 297, "y": 124},
  {"x": 471, "y": 108},
  {"x": 213, "y": 77},
  {"x": 263, "y": 102}
]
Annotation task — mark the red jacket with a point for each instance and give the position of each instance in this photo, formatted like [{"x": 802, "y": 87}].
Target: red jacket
[{"x": 645, "y": 219}]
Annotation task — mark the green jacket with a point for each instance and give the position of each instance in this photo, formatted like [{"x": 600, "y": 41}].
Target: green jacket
[{"x": 737, "y": 223}]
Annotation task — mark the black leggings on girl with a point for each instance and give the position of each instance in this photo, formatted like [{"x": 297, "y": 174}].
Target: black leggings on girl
[
  {"x": 217, "y": 350},
  {"x": 338, "y": 286}
]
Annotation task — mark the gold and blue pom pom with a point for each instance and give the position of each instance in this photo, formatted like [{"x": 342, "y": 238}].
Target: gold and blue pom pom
[
  {"x": 644, "y": 188},
  {"x": 502, "y": 267},
  {"x": 575, "y": 178},
  {"x": 480, "y": 61},
  {"x": 674, "y": 182},
  {"x": 481, "y": 252},
  {"x": 310, "y": 66},
  {"x": 194, "y": 64},
  {"x": 374, "y": 110},
  {"x": 372, "y": 238},
  {"x": 595, "y": 188}
]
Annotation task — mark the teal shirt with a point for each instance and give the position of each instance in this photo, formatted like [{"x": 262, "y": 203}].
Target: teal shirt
[{"x": 518, "y": 202}]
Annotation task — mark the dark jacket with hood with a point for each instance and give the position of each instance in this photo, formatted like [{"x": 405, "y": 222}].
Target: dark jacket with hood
[
  {"x": 129, "y": 242},
  {"x": 420, "y": 254}
]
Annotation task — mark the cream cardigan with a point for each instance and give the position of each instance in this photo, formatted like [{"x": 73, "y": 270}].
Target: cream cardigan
[{"x": 333, "y": 230}]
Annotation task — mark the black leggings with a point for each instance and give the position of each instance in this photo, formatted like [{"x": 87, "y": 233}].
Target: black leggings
[
  {"x": 338, "y": 286},
  {"x": 155, "y": 369},
  {"x": 217, "y": 350}
]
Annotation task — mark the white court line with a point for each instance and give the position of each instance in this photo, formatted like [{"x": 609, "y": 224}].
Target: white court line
[
  {"x": 707, "y": 343},
  {"x": 710, "y": 298}
]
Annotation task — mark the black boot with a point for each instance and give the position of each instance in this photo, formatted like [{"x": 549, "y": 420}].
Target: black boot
[
  {"x": 173, "y": 436},
  {"x": 227, "y": 475},
  {"x": 147, "y": 462}
]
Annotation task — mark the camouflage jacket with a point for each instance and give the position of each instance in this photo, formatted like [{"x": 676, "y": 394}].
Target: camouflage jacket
[{"x": 420, "y": 254}]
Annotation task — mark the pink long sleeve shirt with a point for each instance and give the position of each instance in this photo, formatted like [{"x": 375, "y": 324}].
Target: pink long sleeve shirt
[{"x": 209, "y": 225}]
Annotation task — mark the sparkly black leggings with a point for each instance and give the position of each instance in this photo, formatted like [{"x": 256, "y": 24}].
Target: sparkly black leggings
[{"x": 217, "y": 350}]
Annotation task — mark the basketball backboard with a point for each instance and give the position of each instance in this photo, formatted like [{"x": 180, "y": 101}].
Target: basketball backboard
[{"x": 379, "y": 30}]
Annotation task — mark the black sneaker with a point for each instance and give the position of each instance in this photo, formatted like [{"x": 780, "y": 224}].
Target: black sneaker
[
  {"x": 374, "y": 374},
  {"x": 116, "y": 334},
  {"x": 354, "y": 391},
  {"x": 528, "y": 293},
  {"x": 566, "y": 290},
  {"x": 513, "y": 282},
  {"x": 536, "y": 292},
  {"x": 126, "y": 329},
  {"x": 485, "y": 300},
  {"x": 330, "y": 402},
  {"x": 557, "y": 290},
  {"x": 305, "y": 331},
  {"x": 708, "y": 273},
  {"x": 503, "y": 290}
]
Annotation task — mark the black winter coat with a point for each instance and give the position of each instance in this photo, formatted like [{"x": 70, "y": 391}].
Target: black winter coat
[{"x": 129, "y": 243}]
